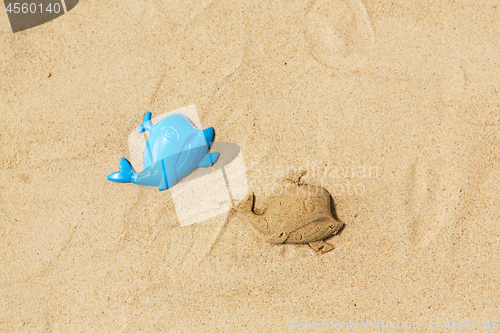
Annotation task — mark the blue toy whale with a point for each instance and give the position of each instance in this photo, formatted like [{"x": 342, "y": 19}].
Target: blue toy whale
[{"x": 173, "y": 149}]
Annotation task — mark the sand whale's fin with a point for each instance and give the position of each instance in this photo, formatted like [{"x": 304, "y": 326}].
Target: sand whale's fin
[
  {"x": 124, "y": 175},
  {"x": 321, "y": 246}
]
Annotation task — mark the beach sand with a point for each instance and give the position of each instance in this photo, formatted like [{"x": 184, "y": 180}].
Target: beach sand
[{"x": 392, "y": 106}]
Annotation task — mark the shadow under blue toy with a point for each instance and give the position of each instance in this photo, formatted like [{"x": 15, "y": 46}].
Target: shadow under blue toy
[{"x": 173, "y": 149}]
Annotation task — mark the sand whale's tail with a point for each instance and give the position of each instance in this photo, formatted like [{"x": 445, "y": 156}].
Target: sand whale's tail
[{"x": 125, "y": 173}]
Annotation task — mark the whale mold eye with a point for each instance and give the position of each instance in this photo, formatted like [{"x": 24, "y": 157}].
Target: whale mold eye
[{"x": 170, "y": 134}]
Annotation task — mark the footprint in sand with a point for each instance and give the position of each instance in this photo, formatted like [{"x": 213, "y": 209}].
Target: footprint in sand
[
  {"x": 339, "y": 32},
  {"x": 421, "y": 205},
  {"x": 480, "y": 98},
  {"x": 434, "y": 200}
]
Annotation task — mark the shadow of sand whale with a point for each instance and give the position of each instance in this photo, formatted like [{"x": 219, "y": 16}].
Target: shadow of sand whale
[{"x": 340, "y": 33}]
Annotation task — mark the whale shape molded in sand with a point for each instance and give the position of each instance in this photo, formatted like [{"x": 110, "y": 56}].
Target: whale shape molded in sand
[{"x": 301, "y": 214}]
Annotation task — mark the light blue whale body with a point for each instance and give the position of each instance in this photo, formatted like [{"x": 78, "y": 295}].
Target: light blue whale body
[{"x": 173, "y": 149}]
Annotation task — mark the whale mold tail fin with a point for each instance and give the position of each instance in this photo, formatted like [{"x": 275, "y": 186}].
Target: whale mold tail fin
[{"x": 124, "y": 175}]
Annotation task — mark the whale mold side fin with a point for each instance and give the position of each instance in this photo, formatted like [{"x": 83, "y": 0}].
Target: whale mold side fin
[
  {"x": 208, "y": 160},
  {"x": 147, "y": 125}
]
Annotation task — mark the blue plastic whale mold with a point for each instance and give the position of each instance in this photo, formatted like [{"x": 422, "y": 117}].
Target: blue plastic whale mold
[{"x": 173, "y": 149}]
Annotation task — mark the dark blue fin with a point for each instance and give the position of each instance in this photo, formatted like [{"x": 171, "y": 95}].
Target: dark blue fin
[
  {"x": 162, "y": 186},
  {"x": 208, "y": 160},
  {"x": 125, "y": 173},
  {"x": 209, "y": 133},
  {"x": 169, "y": 178}
]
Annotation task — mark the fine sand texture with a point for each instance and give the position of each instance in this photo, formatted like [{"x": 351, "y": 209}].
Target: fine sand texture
[{"x": 392, "y": 106}]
